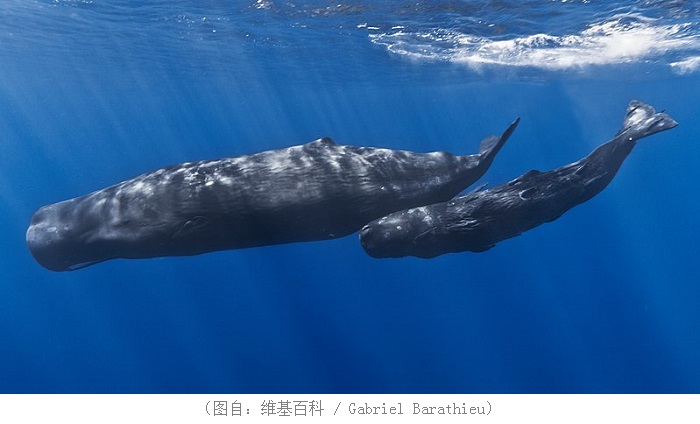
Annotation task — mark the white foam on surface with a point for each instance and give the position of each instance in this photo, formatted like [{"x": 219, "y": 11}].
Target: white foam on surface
[
  {"x": 622, "y": 39},
  {"x": 687, "y": 65}
]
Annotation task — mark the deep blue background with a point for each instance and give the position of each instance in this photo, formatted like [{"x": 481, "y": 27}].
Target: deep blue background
[{"x": 603, "y": 300}]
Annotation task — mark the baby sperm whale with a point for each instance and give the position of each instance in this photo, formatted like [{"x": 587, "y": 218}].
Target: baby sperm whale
[
  {"x": 315, "y": 191},
  {"x": 477, "y": 221}
]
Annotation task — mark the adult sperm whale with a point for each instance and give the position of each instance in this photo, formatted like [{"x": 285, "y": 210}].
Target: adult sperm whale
[
  {"x": 477, "y": 221},
  {"x": 316, "y": 191}
]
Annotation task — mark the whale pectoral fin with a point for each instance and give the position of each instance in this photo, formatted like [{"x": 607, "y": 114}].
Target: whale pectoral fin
[{"x": 191, "y": 225}]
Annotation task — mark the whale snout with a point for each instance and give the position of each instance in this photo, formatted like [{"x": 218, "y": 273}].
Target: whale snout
[
  {"x": 54, "y": 242},
  {"x": 381, "y": 239},
  {"x": 412, "y": 232},
  {"x": 44, "y": 242},
  {"x": 368, "y": 240}
]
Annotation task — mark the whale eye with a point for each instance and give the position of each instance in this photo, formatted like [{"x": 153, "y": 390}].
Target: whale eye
[
  {"x": 191, "y": 225},
  {"x": 196, "y": 222}
]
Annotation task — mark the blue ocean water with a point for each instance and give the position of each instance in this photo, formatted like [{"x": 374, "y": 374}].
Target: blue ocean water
[{"x": 603, "y": 300}]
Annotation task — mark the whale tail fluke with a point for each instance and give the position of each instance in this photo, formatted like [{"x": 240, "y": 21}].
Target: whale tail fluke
[
  {"x": 642, "y": 120},
  {"x": 490, "y": 146}
]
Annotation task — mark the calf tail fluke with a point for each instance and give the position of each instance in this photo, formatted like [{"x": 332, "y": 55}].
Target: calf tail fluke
[{"x": 642, "y": 120}]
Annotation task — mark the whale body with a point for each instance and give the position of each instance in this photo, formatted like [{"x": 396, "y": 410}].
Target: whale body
[
  {"x": 477, "y": 221},
  {"x": 315, "y": 191}
]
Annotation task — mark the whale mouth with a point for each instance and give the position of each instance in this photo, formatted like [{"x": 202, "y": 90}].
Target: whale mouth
[
  {"x": 56, "y": 251},
  {"x": 57, "y": 259},
  {"x": 81, "y": 265}
]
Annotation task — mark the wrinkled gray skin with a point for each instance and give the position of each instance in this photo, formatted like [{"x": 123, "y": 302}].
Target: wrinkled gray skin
[
  {"x": 477, "y": 221},
  {"x": 316, "y": 191}
]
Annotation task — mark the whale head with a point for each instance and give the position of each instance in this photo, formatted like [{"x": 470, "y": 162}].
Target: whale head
[
  {"x": 79, "y": 232},
  {"x": 108, "y": 224},
  {"x": 394, "y": 236},
  {"x": 60, "y": 242}
]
